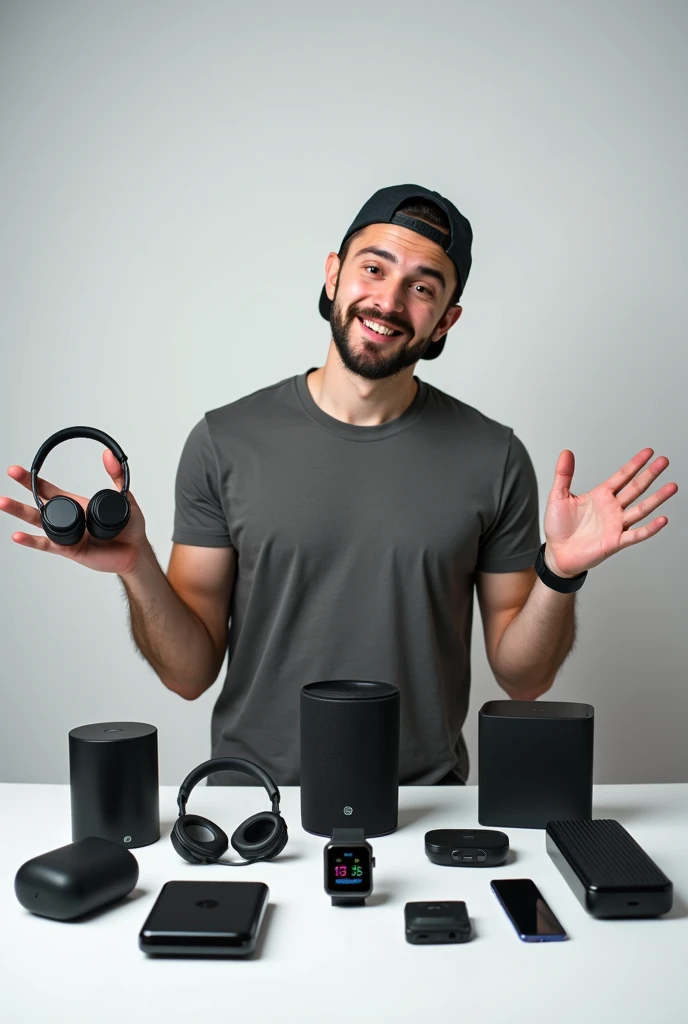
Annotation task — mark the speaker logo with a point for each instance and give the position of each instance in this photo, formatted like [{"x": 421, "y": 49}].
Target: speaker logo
[
  {"x": 348, "y": 810},
  {"x": 127, "y": 839}
]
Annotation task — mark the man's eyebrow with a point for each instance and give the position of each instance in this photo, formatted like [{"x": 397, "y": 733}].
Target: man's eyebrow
[{"x": 384, "y": 254}]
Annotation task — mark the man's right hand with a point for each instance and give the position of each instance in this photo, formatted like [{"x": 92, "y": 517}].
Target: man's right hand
[{"x": 119, "y": 555}]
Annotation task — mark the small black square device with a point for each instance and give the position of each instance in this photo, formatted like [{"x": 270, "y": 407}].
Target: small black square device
[
  {"x": 467, "y": 847},
  {"x": 205, "y": 918},
  {"x": 441, "y": 921}
]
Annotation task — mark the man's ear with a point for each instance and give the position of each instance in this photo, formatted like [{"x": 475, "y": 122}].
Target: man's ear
[
  {"x": 332, "y": 266},
  {"x": 447, "y": 321}
]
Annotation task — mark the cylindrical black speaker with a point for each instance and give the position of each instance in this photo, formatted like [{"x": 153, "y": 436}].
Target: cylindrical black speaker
[
  {"x": 350, "y": 756},
  {"x": 113, "y": 775}
]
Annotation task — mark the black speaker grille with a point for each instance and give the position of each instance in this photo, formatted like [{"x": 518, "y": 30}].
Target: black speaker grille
[{"x": 349, "y": 756}]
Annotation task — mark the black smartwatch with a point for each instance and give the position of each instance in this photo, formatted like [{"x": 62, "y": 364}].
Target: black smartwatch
[{"x": 349, "y": 864}]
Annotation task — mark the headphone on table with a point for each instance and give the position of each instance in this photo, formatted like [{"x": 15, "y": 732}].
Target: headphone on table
[
  {"x": 260, "y": 837},
  {"x": 108, "y": 511}
]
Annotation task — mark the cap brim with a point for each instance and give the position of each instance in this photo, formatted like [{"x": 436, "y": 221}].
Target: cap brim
[{"x": 325, "y": 307}]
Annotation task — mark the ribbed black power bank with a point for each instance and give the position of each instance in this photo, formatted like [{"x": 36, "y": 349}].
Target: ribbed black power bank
[{"x": 607, "y": 869}]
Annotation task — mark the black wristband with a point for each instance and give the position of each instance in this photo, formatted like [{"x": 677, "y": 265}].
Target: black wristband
[
  {"x": 348, "y": 901},
  {"x": 562, "y": 584},
  {"x": 348, "y": 835}
]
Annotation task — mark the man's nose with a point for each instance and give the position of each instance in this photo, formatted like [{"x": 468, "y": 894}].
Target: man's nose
[{"x": 391, "y": 298}]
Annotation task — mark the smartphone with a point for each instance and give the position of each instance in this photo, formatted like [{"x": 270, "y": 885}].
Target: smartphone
[
  {"x": 436, "y": 922},
  {"x": 205, "y": 918},
  {"x": 527, "y": 909}
]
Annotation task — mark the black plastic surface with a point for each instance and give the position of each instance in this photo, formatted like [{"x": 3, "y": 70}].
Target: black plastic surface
[
  {"x": 607, "y": 869},
  {"x": 535, "y": 762},
  {"x": 75, "y": 879},
  {"x": 474, "y": 847},
  {"x": 205, "y": 918},
  {"x": 114, "y": 788},
  {"x": 429, "y": 923}
]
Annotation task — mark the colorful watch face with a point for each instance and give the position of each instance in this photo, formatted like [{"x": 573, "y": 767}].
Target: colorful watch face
[{"x": 348, "y": 870}]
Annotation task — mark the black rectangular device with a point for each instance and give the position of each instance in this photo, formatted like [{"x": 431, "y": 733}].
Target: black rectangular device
[
  {"x": 535, "y": 762},
  {"x": 607, "y": 869},
  {"x": 527, "y": 910},
  {"x": 205, "y": 918},
  {"x": 440, "y": 921}
]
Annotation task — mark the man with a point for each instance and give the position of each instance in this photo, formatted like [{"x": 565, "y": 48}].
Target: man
[{"x": 339, "y": 521}]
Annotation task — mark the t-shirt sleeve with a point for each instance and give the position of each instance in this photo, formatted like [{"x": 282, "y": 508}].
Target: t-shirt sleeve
[
  {"x": 512, "y": 540},
  {"x": 199, "y": 517}
]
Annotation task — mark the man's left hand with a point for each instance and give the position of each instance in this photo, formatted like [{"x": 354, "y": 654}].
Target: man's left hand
[{"x": 583, "y": 530}]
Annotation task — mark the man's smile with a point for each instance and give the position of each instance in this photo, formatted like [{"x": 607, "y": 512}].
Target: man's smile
[{"x": 377, "y": 330}]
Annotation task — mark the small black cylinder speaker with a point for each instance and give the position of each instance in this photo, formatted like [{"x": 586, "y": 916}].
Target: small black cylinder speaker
[
  {"x": 113, "y": 775},
  {"x": 350, "y": 756},
  {"x": 535, "y": 762}
]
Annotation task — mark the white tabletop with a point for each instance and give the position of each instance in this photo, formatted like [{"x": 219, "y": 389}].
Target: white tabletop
[{"x": 319, "y": 963}]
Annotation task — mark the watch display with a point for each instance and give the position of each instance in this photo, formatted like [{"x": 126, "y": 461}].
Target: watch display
[
  {"x": 348, "y": 869},
  {"x": 349, "y": 864}
]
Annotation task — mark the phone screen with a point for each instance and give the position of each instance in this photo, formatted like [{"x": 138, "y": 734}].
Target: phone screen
[{"x": 530, "y": 915}]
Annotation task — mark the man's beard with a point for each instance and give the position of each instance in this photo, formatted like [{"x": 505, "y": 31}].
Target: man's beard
[{"x": 371, "y": 360}]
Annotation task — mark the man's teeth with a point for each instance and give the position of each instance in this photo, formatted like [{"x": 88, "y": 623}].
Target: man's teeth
[{"x": 378, "y": 327}]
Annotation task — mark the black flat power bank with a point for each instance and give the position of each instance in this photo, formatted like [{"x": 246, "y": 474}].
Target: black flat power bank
[
  {"x": 205, "y": 919},
  {"x": 607, "y": 869}
]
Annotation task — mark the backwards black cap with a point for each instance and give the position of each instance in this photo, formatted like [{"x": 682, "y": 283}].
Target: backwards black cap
[{"x": 382, "y": 208}]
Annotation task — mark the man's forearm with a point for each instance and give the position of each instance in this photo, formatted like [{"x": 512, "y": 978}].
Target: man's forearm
[
  {"x": 535, "y": 643},
  {"x": 169, "y": 635}
]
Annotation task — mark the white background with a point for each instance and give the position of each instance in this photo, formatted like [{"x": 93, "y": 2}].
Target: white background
[{"x": 173, "y": 176}]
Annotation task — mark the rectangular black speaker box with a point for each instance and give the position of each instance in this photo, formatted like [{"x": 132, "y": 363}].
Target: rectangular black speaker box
[
  {"x": 607, "y": 869},
  {"x": 535, "y": 762}
]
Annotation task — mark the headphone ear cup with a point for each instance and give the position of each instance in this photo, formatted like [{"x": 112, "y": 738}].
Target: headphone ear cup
[
  {"x": 63, "y": 520},
  {"x": 262, "y": 835},
  {"x": 188, "y": 839},
  {"x": 107, "y": 514}
]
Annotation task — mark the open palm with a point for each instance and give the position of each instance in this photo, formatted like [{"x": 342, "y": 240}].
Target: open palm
[{"x": 583, "y": 530}]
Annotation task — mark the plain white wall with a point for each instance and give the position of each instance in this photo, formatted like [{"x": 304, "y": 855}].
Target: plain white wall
[{"x": 172, "y": 178}]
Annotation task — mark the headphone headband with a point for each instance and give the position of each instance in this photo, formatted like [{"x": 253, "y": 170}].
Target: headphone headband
[
  {"x": 66, "y": 434},
  {"x": 219, "y": 764}
]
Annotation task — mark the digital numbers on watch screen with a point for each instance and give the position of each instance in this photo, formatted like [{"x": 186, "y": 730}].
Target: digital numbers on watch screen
[{"x": 348, "y": 870}]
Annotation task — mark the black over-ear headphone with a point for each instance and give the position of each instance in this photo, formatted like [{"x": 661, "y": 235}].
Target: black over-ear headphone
[
  {"x": 260, "y": 837},
  {"x": 108, "y": 510}
]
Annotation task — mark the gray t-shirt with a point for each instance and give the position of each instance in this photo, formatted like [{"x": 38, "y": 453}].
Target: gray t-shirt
[{"x": 357, "y": 549}]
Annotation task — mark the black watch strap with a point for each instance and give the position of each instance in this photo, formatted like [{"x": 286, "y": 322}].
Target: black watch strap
[
  {"x": 348, "y": 901},
  {"x": 348, "y": 835},
  {"x": 562, "y": 584}
]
